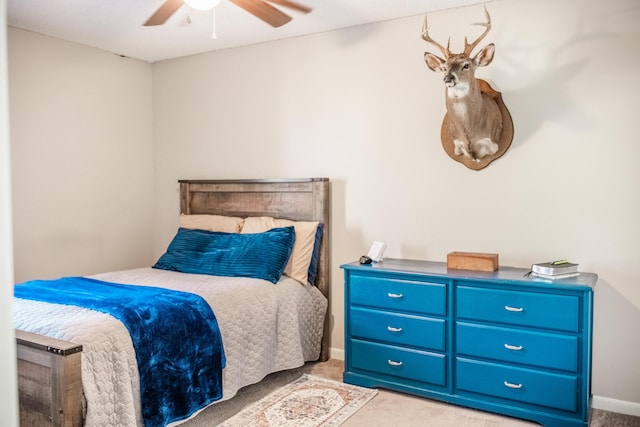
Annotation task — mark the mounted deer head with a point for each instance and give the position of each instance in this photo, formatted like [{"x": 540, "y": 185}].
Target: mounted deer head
[{"x": 475, "y": 118}]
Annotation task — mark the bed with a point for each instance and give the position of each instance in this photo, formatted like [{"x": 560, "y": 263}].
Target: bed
[{"x": 78, "y": 366}]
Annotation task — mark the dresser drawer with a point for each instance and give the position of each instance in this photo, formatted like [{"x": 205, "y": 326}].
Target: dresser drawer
[
  {"x": 403, "y": 295},
  {"x": 410, "y": 364},
  {"x": 522, "y": 385},
  {"x": 539, "y": 349},
  {"x": 403, "y": 329},
  {"x": 538, "y": 310}
]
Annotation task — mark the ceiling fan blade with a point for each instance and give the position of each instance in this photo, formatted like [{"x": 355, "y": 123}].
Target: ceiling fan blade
[
  {"x": 164, "y": 12},
  {"x": 264, "y": 11},
  {"x": 291, "y": 5}
]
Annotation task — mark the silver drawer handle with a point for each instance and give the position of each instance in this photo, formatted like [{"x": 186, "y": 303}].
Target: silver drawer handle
[
  {"x": 513, "y": 347},
  {"x": 392, "y": 295},
  {"x": 512, "y": 385},
  {"x": 392, "y": 329},
  {"x": 513, "y": 309},
  {"x": 394, "y": 363}
]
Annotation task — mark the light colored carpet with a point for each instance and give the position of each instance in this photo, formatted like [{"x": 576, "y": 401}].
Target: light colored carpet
[
  {"x": 386, "y": 408},
  {"x": 398, "y": 409}
]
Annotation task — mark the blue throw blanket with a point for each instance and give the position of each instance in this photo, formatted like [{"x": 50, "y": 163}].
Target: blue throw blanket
[{"x": 175, "y": 335}]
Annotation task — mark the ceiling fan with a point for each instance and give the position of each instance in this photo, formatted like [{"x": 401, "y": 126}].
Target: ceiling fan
[{"x": 259, "y": 8}]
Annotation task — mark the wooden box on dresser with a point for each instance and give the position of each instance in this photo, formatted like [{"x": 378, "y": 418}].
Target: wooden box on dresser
[{"x": 496, "y": 341}]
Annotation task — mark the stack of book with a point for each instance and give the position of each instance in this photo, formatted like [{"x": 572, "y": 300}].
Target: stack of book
[{"x": 560, "y": 269}]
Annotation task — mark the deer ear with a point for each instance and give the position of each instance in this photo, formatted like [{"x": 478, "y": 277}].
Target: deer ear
[
  {"x": 433, "y": 62},
  {"x": 485, "y": 56}
]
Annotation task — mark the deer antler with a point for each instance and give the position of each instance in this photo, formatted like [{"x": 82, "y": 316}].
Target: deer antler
[
  {"x": 425, "y": 35},
  {"x": 468, "y": 48}
]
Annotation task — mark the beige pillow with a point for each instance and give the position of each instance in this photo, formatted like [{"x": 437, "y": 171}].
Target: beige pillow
[
  {"x": 300, "y": 259},
  {"x": 227, "y": 224}
]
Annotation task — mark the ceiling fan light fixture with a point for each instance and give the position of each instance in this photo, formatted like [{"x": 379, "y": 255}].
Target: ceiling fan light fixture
[{"x": 202, "y": 4}]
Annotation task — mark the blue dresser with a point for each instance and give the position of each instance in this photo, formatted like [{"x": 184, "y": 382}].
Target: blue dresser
[{"x": 500, "y": 341}]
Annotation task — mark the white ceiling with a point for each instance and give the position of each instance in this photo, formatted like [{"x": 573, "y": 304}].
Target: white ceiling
[{"x": 116, "y": 25}]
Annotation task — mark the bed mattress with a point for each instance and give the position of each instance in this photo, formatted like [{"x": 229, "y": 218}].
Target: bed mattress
[{"x": 265, "y": 328}]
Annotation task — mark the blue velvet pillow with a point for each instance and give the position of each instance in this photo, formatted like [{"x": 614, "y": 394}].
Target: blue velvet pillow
[
  {"x": 315, "y": 256},
  {"x": 259, "y": 255}
]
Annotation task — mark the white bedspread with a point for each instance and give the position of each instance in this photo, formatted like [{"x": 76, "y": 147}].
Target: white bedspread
[{"x": 265, "y": 328}]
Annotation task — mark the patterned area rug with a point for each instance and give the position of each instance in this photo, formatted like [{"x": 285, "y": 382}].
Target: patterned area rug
[{"x": 309, "y": 401}]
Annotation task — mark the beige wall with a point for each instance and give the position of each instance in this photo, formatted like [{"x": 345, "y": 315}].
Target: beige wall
[
  {"x": 81, "y": 140},
  {"x": 360, "y": 107},
  {"x": 8, "y": 377}
]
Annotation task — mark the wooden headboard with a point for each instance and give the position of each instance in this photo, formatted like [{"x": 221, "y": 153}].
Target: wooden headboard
[{"x": 305, "y": 199}]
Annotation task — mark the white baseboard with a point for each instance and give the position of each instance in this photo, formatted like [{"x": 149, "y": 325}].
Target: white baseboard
[
  {"x": 598, "y": 402},
  {"x": 614, "y": 405},
  {"x": 336, "y": 353}
]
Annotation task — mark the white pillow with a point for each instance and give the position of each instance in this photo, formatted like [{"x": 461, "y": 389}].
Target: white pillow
[
  {"x": 227, "y": 224},
  {"x": 300, "y": 259}
]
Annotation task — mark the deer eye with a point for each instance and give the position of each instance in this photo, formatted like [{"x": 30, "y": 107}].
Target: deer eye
[{"x": 465, "y": 66}]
